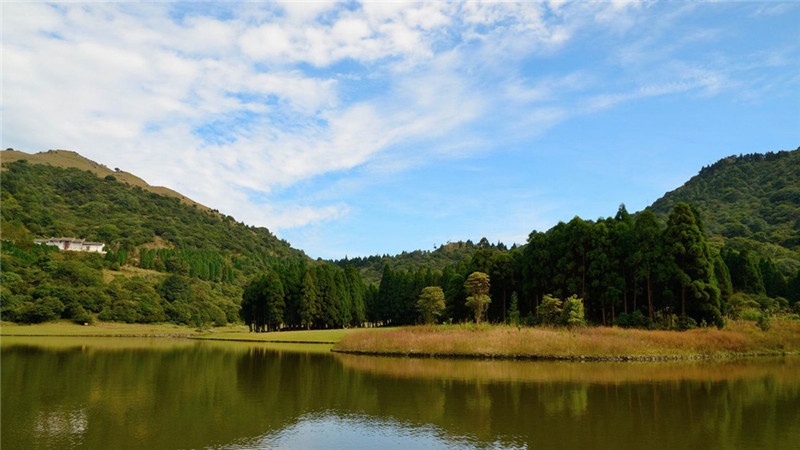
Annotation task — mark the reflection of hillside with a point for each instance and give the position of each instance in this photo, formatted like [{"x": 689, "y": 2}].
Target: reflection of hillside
[
  {"x": 786, "y": 370},
  {"x": 208, "y": 395}
]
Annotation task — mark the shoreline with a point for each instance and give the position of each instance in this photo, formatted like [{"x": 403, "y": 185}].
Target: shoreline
[
  {"x": 230, "y": 333},
  {"x": 565, "y": 358},
  {"x": 741, "y": 340}
]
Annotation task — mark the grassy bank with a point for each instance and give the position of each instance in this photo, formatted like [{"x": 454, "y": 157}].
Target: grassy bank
[
  {"x": 467, "y": 341},
  {"x": 227, "y": 333},
  {"x": 64, "y": 328},
  {"x": 591, "y": 343}
]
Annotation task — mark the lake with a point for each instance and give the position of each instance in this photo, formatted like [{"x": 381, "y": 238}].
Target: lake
[{"x": 119, "y": 393}]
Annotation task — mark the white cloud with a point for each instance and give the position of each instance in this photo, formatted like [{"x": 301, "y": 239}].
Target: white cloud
[{"x": 266, "y": 96}]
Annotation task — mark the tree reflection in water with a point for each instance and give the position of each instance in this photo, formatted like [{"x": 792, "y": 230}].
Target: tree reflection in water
[{"x": 205, "y": 395}]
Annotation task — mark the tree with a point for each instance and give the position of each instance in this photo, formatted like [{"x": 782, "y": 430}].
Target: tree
[
  {"x": 308, "y": 309},
  {"x": 263, "y": 303},
  {"x": 477, "y": 285},
  {"x": 513, "y": 309},
  {"x": 357, "y": 295},
  {"x": 550, "y": 310},
  {"x": 573, "y": 315},
  {"x": 744, "y": 273},
  {"x": 774, "y": 281},
  {"x": 647, "y": 234},
  {"x": 431, "y": 303},
  {"x": 691, "y": 266}
]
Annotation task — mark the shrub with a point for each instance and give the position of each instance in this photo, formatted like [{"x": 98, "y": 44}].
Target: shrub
[
  {"x": 764, "y": 322},
  {"x": 686, "y": 323},
  {"x": 633, "y": 320},
  {"x": 44, "y": 309},
  {"x": 569, "y": 312},
  {"x": 573, "y": 312},
  {"x": 549, "y": 310},
  {"x": 751, "y": 314},
  {"x": 77, "y": 314}
]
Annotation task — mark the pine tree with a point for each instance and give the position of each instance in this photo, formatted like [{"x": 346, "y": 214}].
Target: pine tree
[{"x": 691, "y": 266}]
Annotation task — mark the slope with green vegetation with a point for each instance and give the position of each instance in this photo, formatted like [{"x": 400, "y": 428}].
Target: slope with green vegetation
[
  {"x": 748, "y": 203},
  {"x": 449, "y": 255},
  {"x": 68, "y": 159},
  {"x": 175, "y": 262}
]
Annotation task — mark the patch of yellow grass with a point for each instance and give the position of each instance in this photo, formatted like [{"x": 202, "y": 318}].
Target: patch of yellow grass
[
  {"x": 590, "y": 342},
  {"x": 129, "y": 272}
]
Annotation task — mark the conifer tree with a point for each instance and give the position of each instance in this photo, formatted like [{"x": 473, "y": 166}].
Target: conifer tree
[{"x": 691, "y": 265}]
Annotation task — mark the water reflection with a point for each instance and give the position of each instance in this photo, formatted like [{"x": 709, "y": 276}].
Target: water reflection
[
  {"x": 332, "y": 431},
  {"x": 96, "y": 393}
]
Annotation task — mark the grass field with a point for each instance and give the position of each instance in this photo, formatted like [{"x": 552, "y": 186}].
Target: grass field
[
  {"x": 98, "y": 329},
  {"x": 467, "y": 341},
  {"x": 228, "y": 333},
  {"x": 592, "y": 343}
]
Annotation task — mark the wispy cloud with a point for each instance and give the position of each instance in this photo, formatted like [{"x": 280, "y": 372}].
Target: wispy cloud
[{"x": 237, "y": 104}]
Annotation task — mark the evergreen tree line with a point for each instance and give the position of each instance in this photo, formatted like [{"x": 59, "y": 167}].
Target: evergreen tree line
[
  {"x": 304, "y": 295},
  {"x": 204, "y": 264},
  {"x": 627, "y": 271}
]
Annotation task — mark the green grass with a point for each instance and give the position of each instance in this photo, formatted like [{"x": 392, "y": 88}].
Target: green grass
[
  {"x": 64, "y": 328},
  {"x": 227, "y": 333},
  {"x": 299, "y": 336}
]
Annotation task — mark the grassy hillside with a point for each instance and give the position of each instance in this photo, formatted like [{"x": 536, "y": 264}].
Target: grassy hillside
[{"x": 68, "y": 159}]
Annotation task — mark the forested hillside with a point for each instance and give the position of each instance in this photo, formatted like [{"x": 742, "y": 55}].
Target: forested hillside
[
  {"x": 692, "y": 264},
  {"x": 448, "y": 255},
  {"x": 748, "y": 203},
  {"x": 67, "y": 159}
]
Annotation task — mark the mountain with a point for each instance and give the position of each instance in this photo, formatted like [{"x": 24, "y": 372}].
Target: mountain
[
  {"x": 68, "y": 159},
  {"x": 747, "y": 202},
  {"x": 170, "y": 259},
  {"x": 448, "y": 255},
  {"x": 72, "y": 196}
]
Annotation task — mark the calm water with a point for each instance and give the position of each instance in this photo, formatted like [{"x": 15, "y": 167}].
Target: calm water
[{"x": 160, "y": 394}]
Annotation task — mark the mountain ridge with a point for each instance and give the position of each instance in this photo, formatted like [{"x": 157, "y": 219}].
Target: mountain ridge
[{"x": 69, "y": 158}]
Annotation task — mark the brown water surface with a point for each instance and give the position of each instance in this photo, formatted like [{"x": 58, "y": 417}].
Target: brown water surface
[{"x": 169, "y": 394}]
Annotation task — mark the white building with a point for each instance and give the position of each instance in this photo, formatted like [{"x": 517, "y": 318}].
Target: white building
[{"x": 73, "y": 244}]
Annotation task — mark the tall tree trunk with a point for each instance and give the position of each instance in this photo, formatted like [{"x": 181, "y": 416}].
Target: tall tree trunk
[
  {"x": 650, "y": 296},
  {"x": 683, "y": 301},
  {"x": 625, "y": 291}
]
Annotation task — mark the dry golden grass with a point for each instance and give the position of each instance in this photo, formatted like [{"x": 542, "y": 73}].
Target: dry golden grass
[{"x": 738, "y": 338}]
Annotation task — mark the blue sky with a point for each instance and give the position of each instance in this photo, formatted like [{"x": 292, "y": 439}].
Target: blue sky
[{"x": 357, "y": 129}]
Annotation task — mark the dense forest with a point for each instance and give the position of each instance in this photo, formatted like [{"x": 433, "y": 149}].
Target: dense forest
[{"x": 725, "y": 245}]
